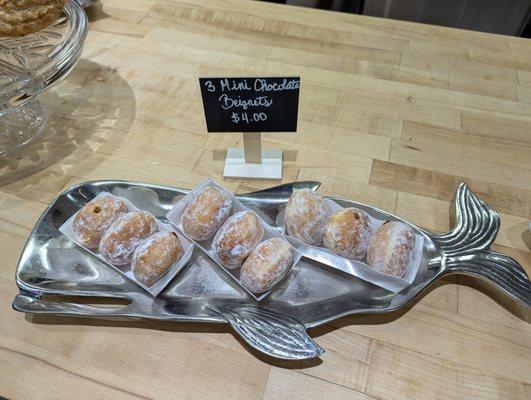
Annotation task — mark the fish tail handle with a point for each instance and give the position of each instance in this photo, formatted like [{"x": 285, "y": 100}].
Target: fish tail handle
[
  {"x": 466, "y": 248},
  {"x": 271, "y": 333}
]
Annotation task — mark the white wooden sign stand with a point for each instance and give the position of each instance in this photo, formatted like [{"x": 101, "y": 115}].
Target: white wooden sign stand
[{"x": 252, "y": 162}]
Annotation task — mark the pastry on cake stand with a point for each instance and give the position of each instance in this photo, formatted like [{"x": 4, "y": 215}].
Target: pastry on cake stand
[{"x": 31, "y": 64}]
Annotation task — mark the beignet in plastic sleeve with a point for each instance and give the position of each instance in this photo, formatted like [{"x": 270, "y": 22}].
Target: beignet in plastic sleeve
[
  {"x": 357, "y": 268},
  {"x": 175, "y": 217},
  {"x": 125, "y": 269}
]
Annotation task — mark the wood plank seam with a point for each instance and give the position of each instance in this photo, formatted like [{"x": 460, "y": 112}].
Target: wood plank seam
[{"x": 26, "y": 355}]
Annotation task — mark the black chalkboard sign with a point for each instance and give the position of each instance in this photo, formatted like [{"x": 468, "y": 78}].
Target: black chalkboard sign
[{"x": 250, "y": 104}]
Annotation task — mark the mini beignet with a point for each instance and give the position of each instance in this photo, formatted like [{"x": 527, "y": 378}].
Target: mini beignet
[
  {"x": 155, "y": 256},
  {"x": 237, "y": 238},
  {"x": 391, "y": 248},
  {"x": 125, "y": 234},
  {"x": 266, "y": 264},
  {"x": 306, "y": 216},
  {"x": 348, "y": 233},
  {"x": 91, "y": 222},
  {"x": 206, "y": 213}
]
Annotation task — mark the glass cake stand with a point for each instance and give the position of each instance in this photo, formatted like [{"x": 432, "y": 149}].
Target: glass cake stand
[{"x": 31, "y": 64}]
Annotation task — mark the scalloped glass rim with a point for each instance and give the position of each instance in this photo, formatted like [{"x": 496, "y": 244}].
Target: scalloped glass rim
[{"x": 57, "y": 64}]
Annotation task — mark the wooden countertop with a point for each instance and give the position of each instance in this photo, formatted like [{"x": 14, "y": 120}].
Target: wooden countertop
[{"x": 393, "y": 114}]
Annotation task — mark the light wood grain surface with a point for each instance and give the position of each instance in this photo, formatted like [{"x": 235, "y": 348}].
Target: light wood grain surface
[{"x": 393, "y": 114}]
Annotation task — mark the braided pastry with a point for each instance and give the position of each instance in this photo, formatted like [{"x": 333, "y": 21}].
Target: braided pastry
[{"x": 21, "y": 17}]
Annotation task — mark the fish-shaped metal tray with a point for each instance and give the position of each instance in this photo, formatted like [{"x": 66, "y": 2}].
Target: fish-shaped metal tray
[{"x": 313, "y": 293}]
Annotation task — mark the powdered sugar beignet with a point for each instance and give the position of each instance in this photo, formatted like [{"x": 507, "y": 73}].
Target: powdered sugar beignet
[
  {"x": 391, "y": 248},
  {"x": 125, "y": 234},
  {"x": 91, "y": 222},
  {"x": 348, "y": 233},
  {"x": 266, "y": 264},
  {"x": 206, "y": 213},
  {"x": 237, "y": 238},
  {"x": 155, "y": 256},
  {"x": 306, "y": 216}
]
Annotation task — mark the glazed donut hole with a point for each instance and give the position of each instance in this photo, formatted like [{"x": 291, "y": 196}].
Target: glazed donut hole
[
  {"x": 391, "y": 248},
  {"x": 154, "y": 257},
  {"x": 125, "y": 234},
  {"x": 306, "y": 215},
  {"x": 206, "y": 213},
  {"x": 348, "y": 233},
  {"x": 91, "y": 222}
]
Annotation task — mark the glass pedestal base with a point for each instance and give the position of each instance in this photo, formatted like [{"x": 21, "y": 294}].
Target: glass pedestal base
[{"x": 21, "y": 125}]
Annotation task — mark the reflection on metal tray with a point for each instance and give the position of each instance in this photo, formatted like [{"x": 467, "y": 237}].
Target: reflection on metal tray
[{"x": 313, "y": 293}]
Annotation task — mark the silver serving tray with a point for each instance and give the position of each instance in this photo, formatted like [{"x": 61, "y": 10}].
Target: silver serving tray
[{"x": 52, "y": 268}]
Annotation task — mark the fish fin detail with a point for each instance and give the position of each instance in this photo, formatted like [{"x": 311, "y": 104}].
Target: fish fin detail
[
  {"x": 476, "y": 225},
  {"x": 500, "y": 270},
  {"x": 466, "y": 248},
  {"x": 271, "y": 333}
]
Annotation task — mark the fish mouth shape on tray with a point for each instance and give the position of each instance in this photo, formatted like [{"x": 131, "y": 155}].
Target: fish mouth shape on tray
[{"x": 311, "y": 295}]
